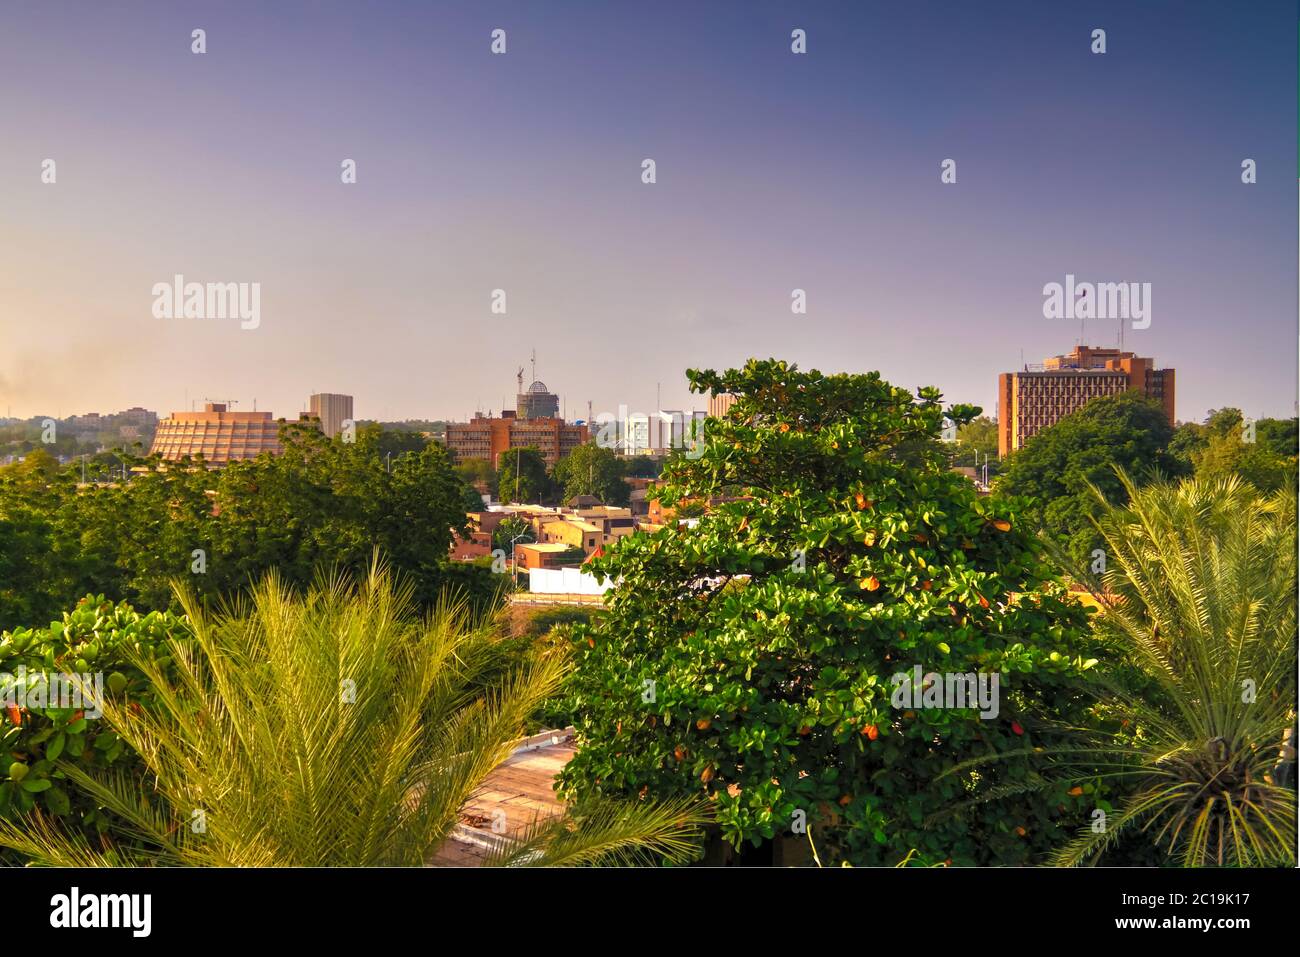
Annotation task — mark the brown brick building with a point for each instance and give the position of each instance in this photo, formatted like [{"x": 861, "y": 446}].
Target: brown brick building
[
  {"x": 486, "y": 438},
  {"x": 1032, "y": 399}
]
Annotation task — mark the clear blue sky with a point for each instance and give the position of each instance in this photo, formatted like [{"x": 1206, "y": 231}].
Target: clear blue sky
[{"x": 522, "y": 172}]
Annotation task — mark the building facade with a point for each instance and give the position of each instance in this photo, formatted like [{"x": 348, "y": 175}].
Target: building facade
[
  {"x": 537, "y": 403},
  {"x": 219, "y": 436},
  {"x": 719, "y": 404},
  {"x": 333, "y": 409},
  {"x": 485, "y": 437},
  {"x": 1035, "y": 398}
]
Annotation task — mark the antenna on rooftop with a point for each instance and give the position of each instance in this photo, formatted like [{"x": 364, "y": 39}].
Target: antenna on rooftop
[{"x": 534, "y": 365}]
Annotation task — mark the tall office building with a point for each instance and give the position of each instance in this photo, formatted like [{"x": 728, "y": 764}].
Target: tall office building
[
  {"x": 218, "y": 435},
  {"x": 333, "y": 410},
  {"x": 1036, "y": 397}
]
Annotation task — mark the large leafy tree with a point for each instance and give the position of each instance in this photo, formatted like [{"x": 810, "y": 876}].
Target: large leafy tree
[
  {"x": 1058, "y": 467},
  {"x": 1265, "y": 455},
  {"x": 977, "y": 443},
  {"x": 523, "y": 476},
  {"x": 592, "y": 470},
  {"x": 752, "y": 658}
]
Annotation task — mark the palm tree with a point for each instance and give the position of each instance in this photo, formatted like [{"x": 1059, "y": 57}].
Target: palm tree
[
  {"x": 333, "y": 729},
  {"x": 1199, "y": 596}
]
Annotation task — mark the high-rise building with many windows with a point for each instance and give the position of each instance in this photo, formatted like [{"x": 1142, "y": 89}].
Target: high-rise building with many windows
[
  {"x": 1036, "y": 397},
  {"x": 333, "y": 409}
]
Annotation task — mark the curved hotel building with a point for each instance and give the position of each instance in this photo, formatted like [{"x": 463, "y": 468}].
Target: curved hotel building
[{"x": 216, "y": 434}]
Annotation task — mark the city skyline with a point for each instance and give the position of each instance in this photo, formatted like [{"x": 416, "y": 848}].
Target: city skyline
[{"x": 775, "y": 172}]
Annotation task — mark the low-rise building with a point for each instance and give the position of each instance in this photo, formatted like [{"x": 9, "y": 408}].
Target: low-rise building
[{"x": 546, "y": 555}]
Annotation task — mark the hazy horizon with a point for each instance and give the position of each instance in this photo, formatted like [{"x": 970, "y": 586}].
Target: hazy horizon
[{"x": 522, "y": 172}]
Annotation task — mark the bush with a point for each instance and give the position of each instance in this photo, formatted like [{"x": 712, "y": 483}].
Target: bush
[{"x": 96, "y": 637}]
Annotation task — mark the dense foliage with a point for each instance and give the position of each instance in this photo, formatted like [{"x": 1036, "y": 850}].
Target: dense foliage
[
  {"x": 592, "y": 470},
  {"x": 752, "y": 657},
  {"x": 523, "y": 477},
  {"x": 1057, "y": 468},
  {"x": 1262, "y": 453},
  {"x": 321, "y": 503},
  {"x": 95, "y": 637},
  {"x": 338, "y": 727}
]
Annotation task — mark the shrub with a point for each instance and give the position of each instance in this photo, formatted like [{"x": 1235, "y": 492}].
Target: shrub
[{"x": 95, "y": 637}]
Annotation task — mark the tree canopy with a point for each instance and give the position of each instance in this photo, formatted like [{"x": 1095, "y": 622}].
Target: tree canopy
[
  {"x": 592, "y": 470},
  {"x": 322, "y": 503},
  {"x": 754, "y": 658},
  {"x": 1056, "y": 466}
]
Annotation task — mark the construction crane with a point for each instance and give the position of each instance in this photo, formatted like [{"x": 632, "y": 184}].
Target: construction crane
[{"x": 519, "y": 377}]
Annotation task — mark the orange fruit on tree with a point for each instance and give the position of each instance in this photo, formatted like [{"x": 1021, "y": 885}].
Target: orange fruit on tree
[{"x": 703, "y": 724}]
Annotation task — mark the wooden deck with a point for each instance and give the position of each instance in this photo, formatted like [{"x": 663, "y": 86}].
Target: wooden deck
[{"x": 511, "y": 797}]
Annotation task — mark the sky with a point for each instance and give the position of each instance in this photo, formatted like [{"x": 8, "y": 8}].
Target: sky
[{"x": 522, "y": 171}]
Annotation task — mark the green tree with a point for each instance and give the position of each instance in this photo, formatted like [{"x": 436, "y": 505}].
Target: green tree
[
  {"x": 479, "y": 474},
  {"x": 532, "y": 483},
  {"x": 1262, "y": 453},
  {"x": 977, "y": 436},
  {"x": 643, "y": 466},
  {"x": 321, "y": 502},
  {"x": 1057, "y": 467},
  {"x": 361, "y": 735},
  {"x": 755, "y": 658},
  {"x": 592, "y": 470}
]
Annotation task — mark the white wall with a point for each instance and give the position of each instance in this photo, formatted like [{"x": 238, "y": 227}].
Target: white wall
[{"x": 566, "y": 581}]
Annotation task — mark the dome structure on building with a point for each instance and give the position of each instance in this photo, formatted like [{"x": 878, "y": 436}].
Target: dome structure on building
[{"x": 538, "y": 402}]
